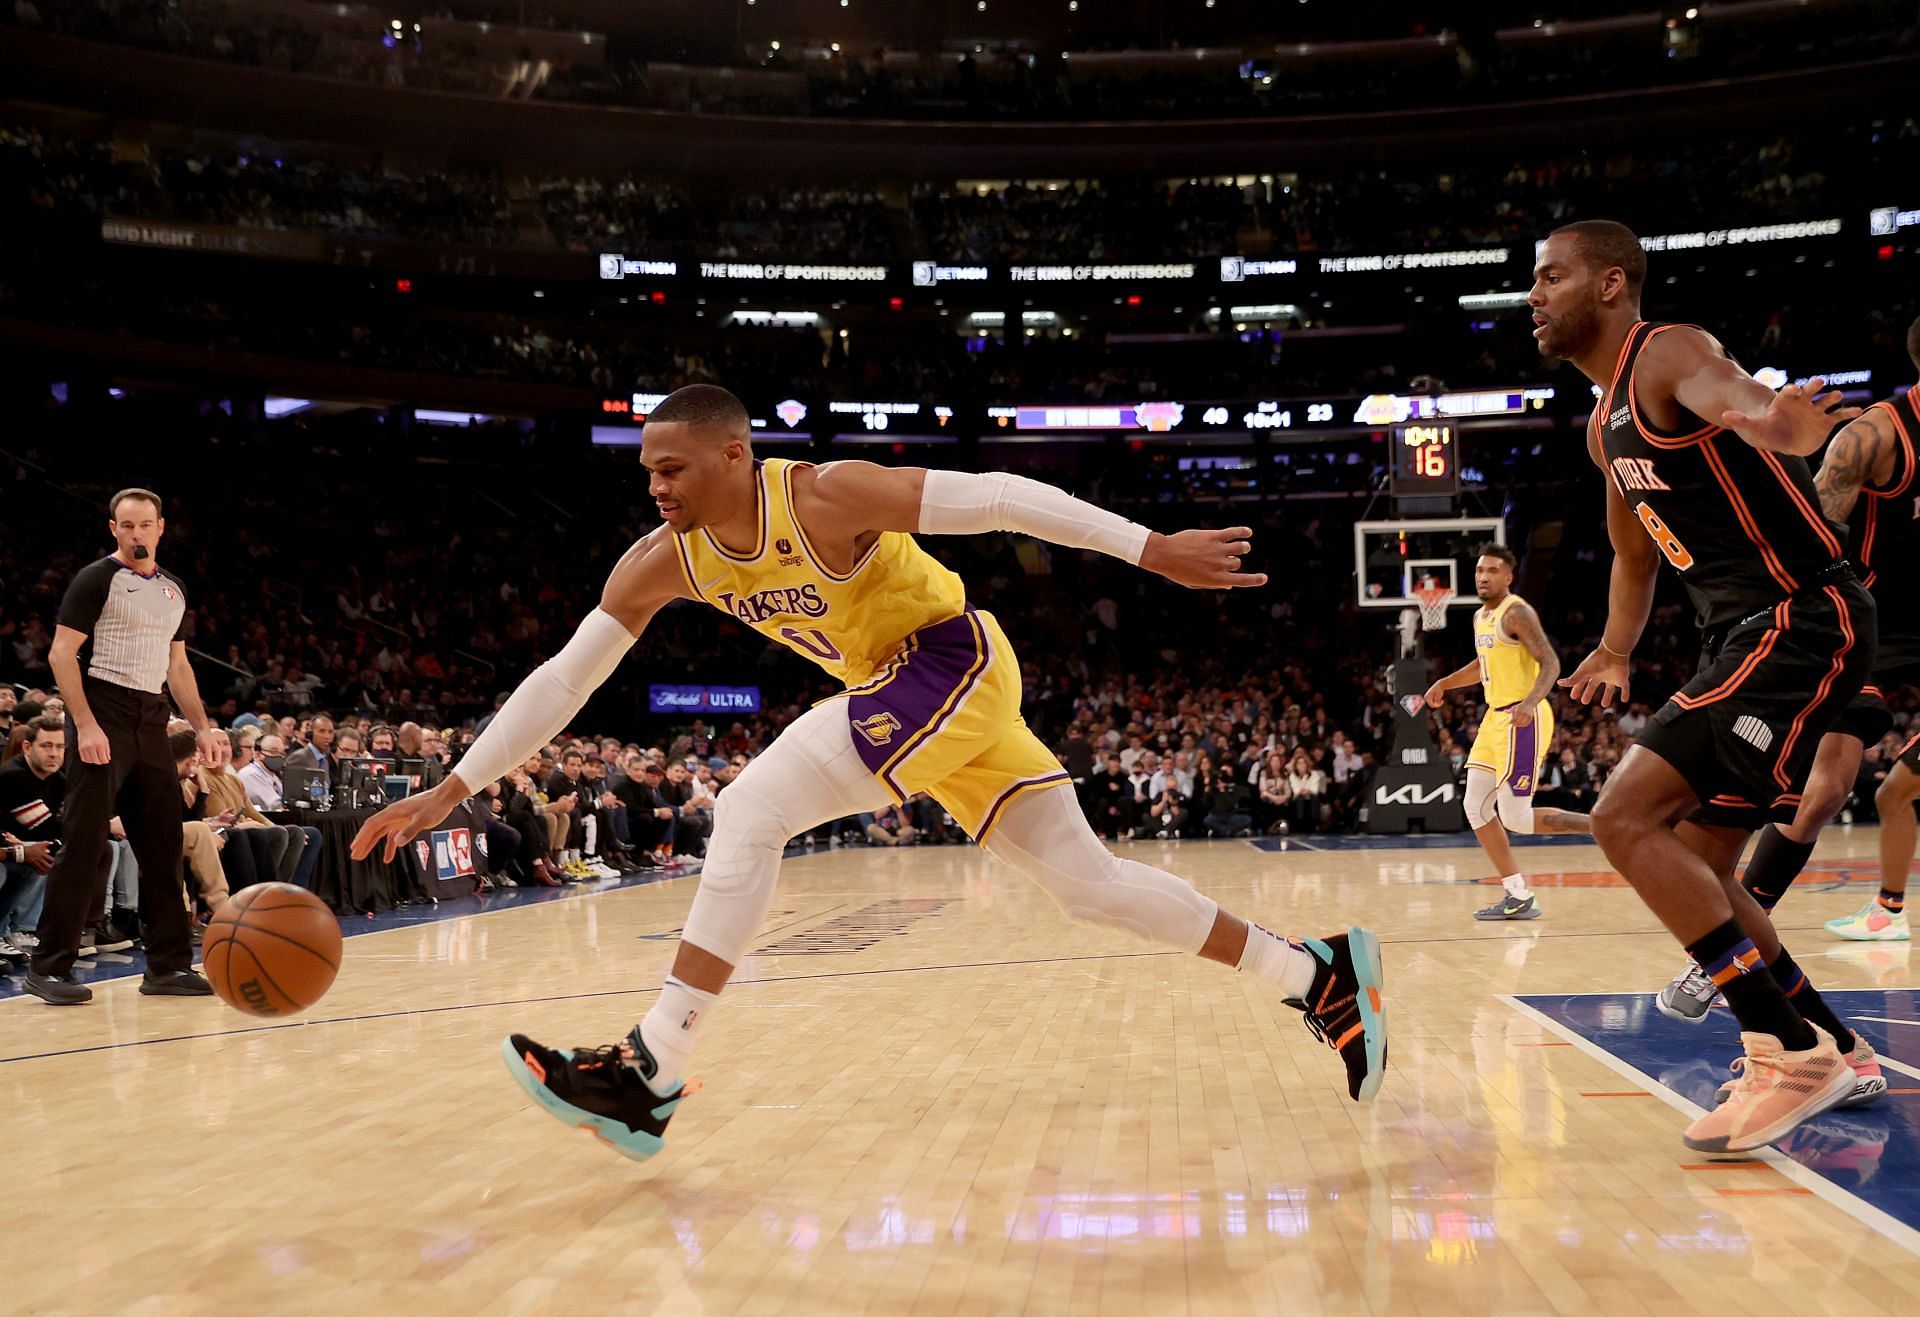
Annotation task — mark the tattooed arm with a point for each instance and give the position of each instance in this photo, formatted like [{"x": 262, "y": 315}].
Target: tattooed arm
[
  {"x": 1862, "y": 454},
  {"x": 1523, "y": 625}
]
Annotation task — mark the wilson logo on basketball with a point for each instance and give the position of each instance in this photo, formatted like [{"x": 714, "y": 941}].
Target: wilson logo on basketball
[
  {"x": 256, "y": 998},
  {"x": 878, "y": 729}
]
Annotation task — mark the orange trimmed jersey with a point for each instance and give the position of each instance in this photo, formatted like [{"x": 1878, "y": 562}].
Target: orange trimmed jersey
[
  {"x": 848, "y": 623},
  {"x": 1884, "y": 531},
  {"x": 1742, "y": 527}
]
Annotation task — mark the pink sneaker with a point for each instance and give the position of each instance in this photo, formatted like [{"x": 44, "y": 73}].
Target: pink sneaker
[
  {"x": 1868, "y": 1082},
  {"x": 1775, "y": 1091}
]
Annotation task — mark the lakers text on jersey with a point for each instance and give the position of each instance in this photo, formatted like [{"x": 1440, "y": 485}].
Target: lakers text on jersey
[{"x": 933, "y": 685}]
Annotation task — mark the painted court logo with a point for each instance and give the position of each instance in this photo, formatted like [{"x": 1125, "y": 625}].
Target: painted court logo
[{"x": 878, "y": 729}]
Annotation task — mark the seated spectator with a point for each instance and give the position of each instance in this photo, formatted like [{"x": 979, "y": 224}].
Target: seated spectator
[
  {"x": 1227, "y": 810},
  {"x": 1167, "y": 814},
  {"x": 691, "y": 822},
  {"x": 283, "y": 852},
  {"x": 1307, "y": 785},
  {"x": 255, "y": 757},
  {"x": 317, "y": 751},
  {"x": 889, "y": 826},
  {"x": 33, "y": 791},
  {"x": 1272, "y": 808},
  {"x": 1107, "y": 799}
]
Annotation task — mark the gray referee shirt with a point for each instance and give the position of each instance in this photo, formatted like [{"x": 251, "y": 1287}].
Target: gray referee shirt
[{"x": 131, "y": 621}]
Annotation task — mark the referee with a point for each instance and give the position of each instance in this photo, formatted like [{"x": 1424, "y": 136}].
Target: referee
[{"x": 121, "y": 624}]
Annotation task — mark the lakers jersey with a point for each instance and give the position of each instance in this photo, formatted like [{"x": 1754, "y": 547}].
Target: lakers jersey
[
  {"x": 848, "y": 623},
  {"x": 1507, "y": 669}
]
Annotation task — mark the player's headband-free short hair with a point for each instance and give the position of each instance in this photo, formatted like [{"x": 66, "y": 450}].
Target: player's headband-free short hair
[
  {"x": 113, "y": 504},
  {"x": 701, "y": 405},
  {"x": 1500, "y": 551},
  {"x": 1604, "y": 244}
]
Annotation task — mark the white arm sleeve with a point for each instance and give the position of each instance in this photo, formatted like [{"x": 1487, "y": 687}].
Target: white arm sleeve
[
  {"x": 958, "y": 503},
  {"x": 546, "y": 700}
]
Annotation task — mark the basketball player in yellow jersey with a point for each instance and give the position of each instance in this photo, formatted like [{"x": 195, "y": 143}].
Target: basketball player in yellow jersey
[
  {"x": 1516, "y": 667},
  {"x": 822, "y": 560}
]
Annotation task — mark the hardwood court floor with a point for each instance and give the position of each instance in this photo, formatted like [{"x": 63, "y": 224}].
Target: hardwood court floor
[{"x": 930, "y": 1092}]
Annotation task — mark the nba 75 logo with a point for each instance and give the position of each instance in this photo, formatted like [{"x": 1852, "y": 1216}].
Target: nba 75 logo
[
  {"x": 879, "y": 728},
  {"x": 1413, "y": 704}
]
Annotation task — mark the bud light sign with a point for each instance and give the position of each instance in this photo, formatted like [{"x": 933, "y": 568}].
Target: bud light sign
[{"x": 703, "y": 699}]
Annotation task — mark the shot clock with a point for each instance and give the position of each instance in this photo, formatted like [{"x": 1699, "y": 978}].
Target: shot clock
[{"x": 1426, "y": 461}]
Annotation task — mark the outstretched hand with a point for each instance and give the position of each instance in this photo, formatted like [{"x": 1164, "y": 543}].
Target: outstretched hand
[
  {"x": 400, "y": 822},
  {"x": 1202, "y": 559},
  {"x": 1798, "y": 420},
  {"x": 1602, "y": 675}
]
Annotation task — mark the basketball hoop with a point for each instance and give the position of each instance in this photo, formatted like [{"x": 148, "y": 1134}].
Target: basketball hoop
[{"x": 1433, "y": 598}]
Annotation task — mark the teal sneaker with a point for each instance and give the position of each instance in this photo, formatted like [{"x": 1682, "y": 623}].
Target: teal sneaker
[
  {"x": 598, "y": 1090},
  {"x": 1345, "y": 1008}
]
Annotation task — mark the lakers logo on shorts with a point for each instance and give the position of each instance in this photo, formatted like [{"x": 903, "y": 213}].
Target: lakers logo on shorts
[
  {"x": 878, "y": 729},
  {"x": 1523, "y": 782}
]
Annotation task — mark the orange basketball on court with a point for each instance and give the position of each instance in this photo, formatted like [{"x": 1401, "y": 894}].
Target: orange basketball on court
[{"x": 272, "y": 950}]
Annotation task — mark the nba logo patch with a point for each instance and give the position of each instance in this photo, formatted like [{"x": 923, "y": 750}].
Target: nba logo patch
[
  {"x": 453, "y": 853},
  {"x": 878, "y": 729},
  {"x": 1413, "y": 704}
]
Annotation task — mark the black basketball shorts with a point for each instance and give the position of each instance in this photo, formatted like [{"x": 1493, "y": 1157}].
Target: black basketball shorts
[
  {"x": 1745, "y": 730},
  {"x": 1866, "y": 718}
]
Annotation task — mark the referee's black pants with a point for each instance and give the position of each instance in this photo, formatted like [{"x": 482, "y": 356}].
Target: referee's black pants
[{"x": 138, "y": 784}]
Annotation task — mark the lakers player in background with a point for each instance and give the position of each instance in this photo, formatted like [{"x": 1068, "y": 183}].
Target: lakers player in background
[
  {"x": 823, "y": 560},
  {"x": 1516, "y": 667}
]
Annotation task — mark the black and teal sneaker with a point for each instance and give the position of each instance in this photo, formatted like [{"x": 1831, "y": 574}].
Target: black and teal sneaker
[
  {"x": 598, "y": 1090},
  {"x": 1345, "y": 1008},
  {"x": 1508, "y": 908}
]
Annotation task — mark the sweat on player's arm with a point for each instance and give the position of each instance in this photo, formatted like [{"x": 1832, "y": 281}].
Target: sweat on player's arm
[{"x": 1707, "y": 382}]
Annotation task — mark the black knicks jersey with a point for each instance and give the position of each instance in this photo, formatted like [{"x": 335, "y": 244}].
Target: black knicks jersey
[
  {"x": 1742, "y": 527},
  {"x": 1885, "y": 537}
]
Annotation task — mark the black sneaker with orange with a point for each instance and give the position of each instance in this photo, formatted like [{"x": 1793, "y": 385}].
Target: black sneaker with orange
[
  {"x": 1345, "y": 1008},
  {"x": 598, "y": 1090}
]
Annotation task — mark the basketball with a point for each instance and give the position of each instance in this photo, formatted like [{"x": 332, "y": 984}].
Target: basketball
[{"x": 272, "y": 950}]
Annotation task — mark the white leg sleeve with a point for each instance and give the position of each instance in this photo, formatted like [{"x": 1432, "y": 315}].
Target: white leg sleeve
[
  {"x": 810, "y": 774},
  {"x": 1516, "y": 812},
  {"x": 1046, "y": 837},
  {"x": 590, "y": 838},
  {"x": 1480, "y": 806}
]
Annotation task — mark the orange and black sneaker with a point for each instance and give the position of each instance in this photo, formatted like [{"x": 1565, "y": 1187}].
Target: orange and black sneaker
[
  {"x": 604, "y": 1091},
  {"x": 1345, "y": 1008}
]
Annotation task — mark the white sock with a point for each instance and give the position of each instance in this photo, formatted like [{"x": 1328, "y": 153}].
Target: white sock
[
  {"x": 670, "y": 1029},
  {"x": 1516, "y": 885},
  {"x": 1279, "y": 962}
]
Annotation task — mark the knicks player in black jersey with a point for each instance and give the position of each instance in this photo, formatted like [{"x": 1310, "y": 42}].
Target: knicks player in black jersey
[
  {"x": 1867, "y": 481},
  {"x": 1706, "y": 468}
]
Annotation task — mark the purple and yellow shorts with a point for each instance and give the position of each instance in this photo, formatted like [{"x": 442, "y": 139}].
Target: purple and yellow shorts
[
  {"x": 943, "y": 716},
  {"x": 1513, "y": 755}
]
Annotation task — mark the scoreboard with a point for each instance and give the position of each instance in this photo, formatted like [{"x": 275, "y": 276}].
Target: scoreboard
[{"x": 1426, "y": 460}]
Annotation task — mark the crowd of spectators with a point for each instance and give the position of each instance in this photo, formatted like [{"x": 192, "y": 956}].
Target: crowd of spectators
[{"x": 1018, "y": 81}]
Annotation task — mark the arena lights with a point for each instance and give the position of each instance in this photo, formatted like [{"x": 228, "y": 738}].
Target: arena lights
[
  {"x": 777, "y": 319},
  {"x": 775, "y": 273},
  {"x": 926, "y": 274},
  {"x": 614, "y": 265},
  {"x": 1775, "y": 378},
  {"x": 1413, "y": 261},
  {"x": 1491, "y": 301},
  {"x": 1237, "y": 269},
  {"x": 1098, "y": 273},
  {"x": 1885, "y": 221},
  {"x": 1803, "y": 229}
]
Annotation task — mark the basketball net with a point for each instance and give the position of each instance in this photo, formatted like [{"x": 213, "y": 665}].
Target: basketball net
[{"x": 1433, "y": 598}]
